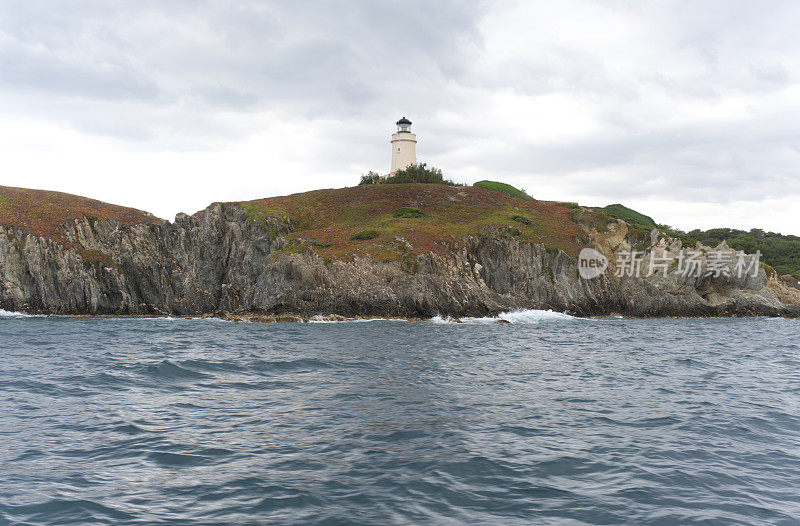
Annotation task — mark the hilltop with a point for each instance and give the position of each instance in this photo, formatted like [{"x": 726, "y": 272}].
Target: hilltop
[
  {"x": 427, "y": 217},
  {"x": 43, "y": 213}
]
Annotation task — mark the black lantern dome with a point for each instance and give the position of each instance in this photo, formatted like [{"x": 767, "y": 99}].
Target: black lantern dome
[{"x": 403, "y": 125}]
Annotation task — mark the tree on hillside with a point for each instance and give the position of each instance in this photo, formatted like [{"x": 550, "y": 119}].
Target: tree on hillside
[
  {"x": 416, "y": 173},
  {"x": 370, "y": 178}
]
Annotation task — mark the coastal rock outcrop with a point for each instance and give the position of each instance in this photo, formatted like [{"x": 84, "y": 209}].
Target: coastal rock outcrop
[{"x": 219, "y": 260}]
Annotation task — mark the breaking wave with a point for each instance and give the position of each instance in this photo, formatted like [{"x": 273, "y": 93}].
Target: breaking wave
[
  {"x": 527, "y": 316},
  {"x": 12, "y": 314},
  {"x": 323, "y": 319}
]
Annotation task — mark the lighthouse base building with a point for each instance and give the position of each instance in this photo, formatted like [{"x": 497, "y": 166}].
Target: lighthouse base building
[{"x": 404, "y": 146}]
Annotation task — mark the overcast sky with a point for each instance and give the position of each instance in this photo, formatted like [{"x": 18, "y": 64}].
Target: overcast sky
[{"x": 688, "y": 111}]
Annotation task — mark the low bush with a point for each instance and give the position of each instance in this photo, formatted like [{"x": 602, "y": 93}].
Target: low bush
[
  {"x": 416, "y": 173},
  {"x": 503, "y": 187},
  {"x": 408, "y": 212},
  {"x": 566, "y": 204},
  {"x": 366, "y": 234}
]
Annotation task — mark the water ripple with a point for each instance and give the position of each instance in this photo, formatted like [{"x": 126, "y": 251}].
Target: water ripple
[{"x": 547, "y": 420}]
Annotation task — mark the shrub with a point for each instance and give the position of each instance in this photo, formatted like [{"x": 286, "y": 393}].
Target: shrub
[
  {"x": 366, "y": 234},
  {"x": 320, "y": 244},
  {"x": 565, "y": 204},
  {"x": 522, "y": 219},
  {"x": 418, "y": 173},
  {"x": 503, "y": 187},
  {"x": 370, "y": 178},
  {"x": 408, "y": 212},
  {"x": 95, "y": 258}
]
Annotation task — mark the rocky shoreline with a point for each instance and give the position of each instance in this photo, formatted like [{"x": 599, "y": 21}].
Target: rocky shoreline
[{"x": 219, "y": 262}]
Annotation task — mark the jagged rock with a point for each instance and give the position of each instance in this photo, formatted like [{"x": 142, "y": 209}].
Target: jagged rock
[{"x": 218, "y": 261}]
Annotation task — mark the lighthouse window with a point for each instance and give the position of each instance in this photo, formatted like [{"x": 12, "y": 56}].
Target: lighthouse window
[{"x": 398, "y": 149}]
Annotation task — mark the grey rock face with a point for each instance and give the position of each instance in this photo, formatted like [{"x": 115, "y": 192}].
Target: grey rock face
[{"x": 219, "y": 261}]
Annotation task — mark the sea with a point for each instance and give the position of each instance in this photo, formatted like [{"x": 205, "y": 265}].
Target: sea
[{"x": 548, "y": 419}]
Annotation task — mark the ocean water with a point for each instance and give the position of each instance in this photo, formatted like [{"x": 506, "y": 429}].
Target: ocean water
[{"x": 547, "y": 420}]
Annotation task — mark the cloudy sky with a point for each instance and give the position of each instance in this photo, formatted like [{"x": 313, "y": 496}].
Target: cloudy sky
[{"x": 688, "y": 111}]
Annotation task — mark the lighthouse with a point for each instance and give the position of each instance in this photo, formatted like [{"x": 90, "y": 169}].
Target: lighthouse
[{"x": 404, "y": 146}]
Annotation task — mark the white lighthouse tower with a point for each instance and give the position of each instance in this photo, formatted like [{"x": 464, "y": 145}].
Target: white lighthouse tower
[{"x": 404, "y": 146}]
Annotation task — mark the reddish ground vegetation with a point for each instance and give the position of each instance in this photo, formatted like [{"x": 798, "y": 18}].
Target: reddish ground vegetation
[
  {"x": 41, "y": 212},
  {"x": 328, "y": 220},
  {"x": 334, "y": 216}
]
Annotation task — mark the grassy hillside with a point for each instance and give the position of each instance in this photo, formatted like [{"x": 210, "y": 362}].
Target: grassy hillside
[
  {"x": 40, "y": 212},
  {"x": 330, "y": 219},
  {"x": 503, "y": 187},
  {"x": 630, "y": 216}
]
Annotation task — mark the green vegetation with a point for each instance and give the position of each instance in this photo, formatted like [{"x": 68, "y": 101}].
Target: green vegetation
[
  {"x": 293, "y": 246},
  {"x": 779, "y": 251},
  {"x": 416, "y": 173},
  {"x": 631, "y": 217},
  {"x": 408, "y": 212},
  {"x": 366, "y": 234},
  {"x": 94, "y": 258},
  {"x": 370, "y": 178},
  {"x": 522, "y": 219},
  {"x": 503, "y": 187},
  {"x": 376, "y": 211},
  {"x": 565, "y": 204},
  {"x": 448, "y": 214}
]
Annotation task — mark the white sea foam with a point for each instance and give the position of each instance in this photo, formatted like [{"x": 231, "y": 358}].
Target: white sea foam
[
  {"x": 528, "y": 316},
  {"x": 322, "y": 319},
  {"x": 11, "y": 314}
]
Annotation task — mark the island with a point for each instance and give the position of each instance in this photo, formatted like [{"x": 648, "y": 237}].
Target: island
[{"x": 407, "y": 250}]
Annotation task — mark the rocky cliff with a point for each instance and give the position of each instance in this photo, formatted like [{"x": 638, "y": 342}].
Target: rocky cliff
[{"x": 226, "y": 259}]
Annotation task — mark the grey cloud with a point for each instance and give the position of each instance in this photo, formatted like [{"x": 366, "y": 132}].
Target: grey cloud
[
  {"x": 229, "y": 55},
  {"x": 168, "y": 75}
]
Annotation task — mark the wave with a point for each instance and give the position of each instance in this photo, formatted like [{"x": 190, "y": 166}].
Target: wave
[
  {"x": 524, "y": 316},
  {"x": 171, "y": 370},
  {"x": 12, "y": 314},
  {"x": 300, "y": 364},
  {"x": 322, "y": 319}
]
